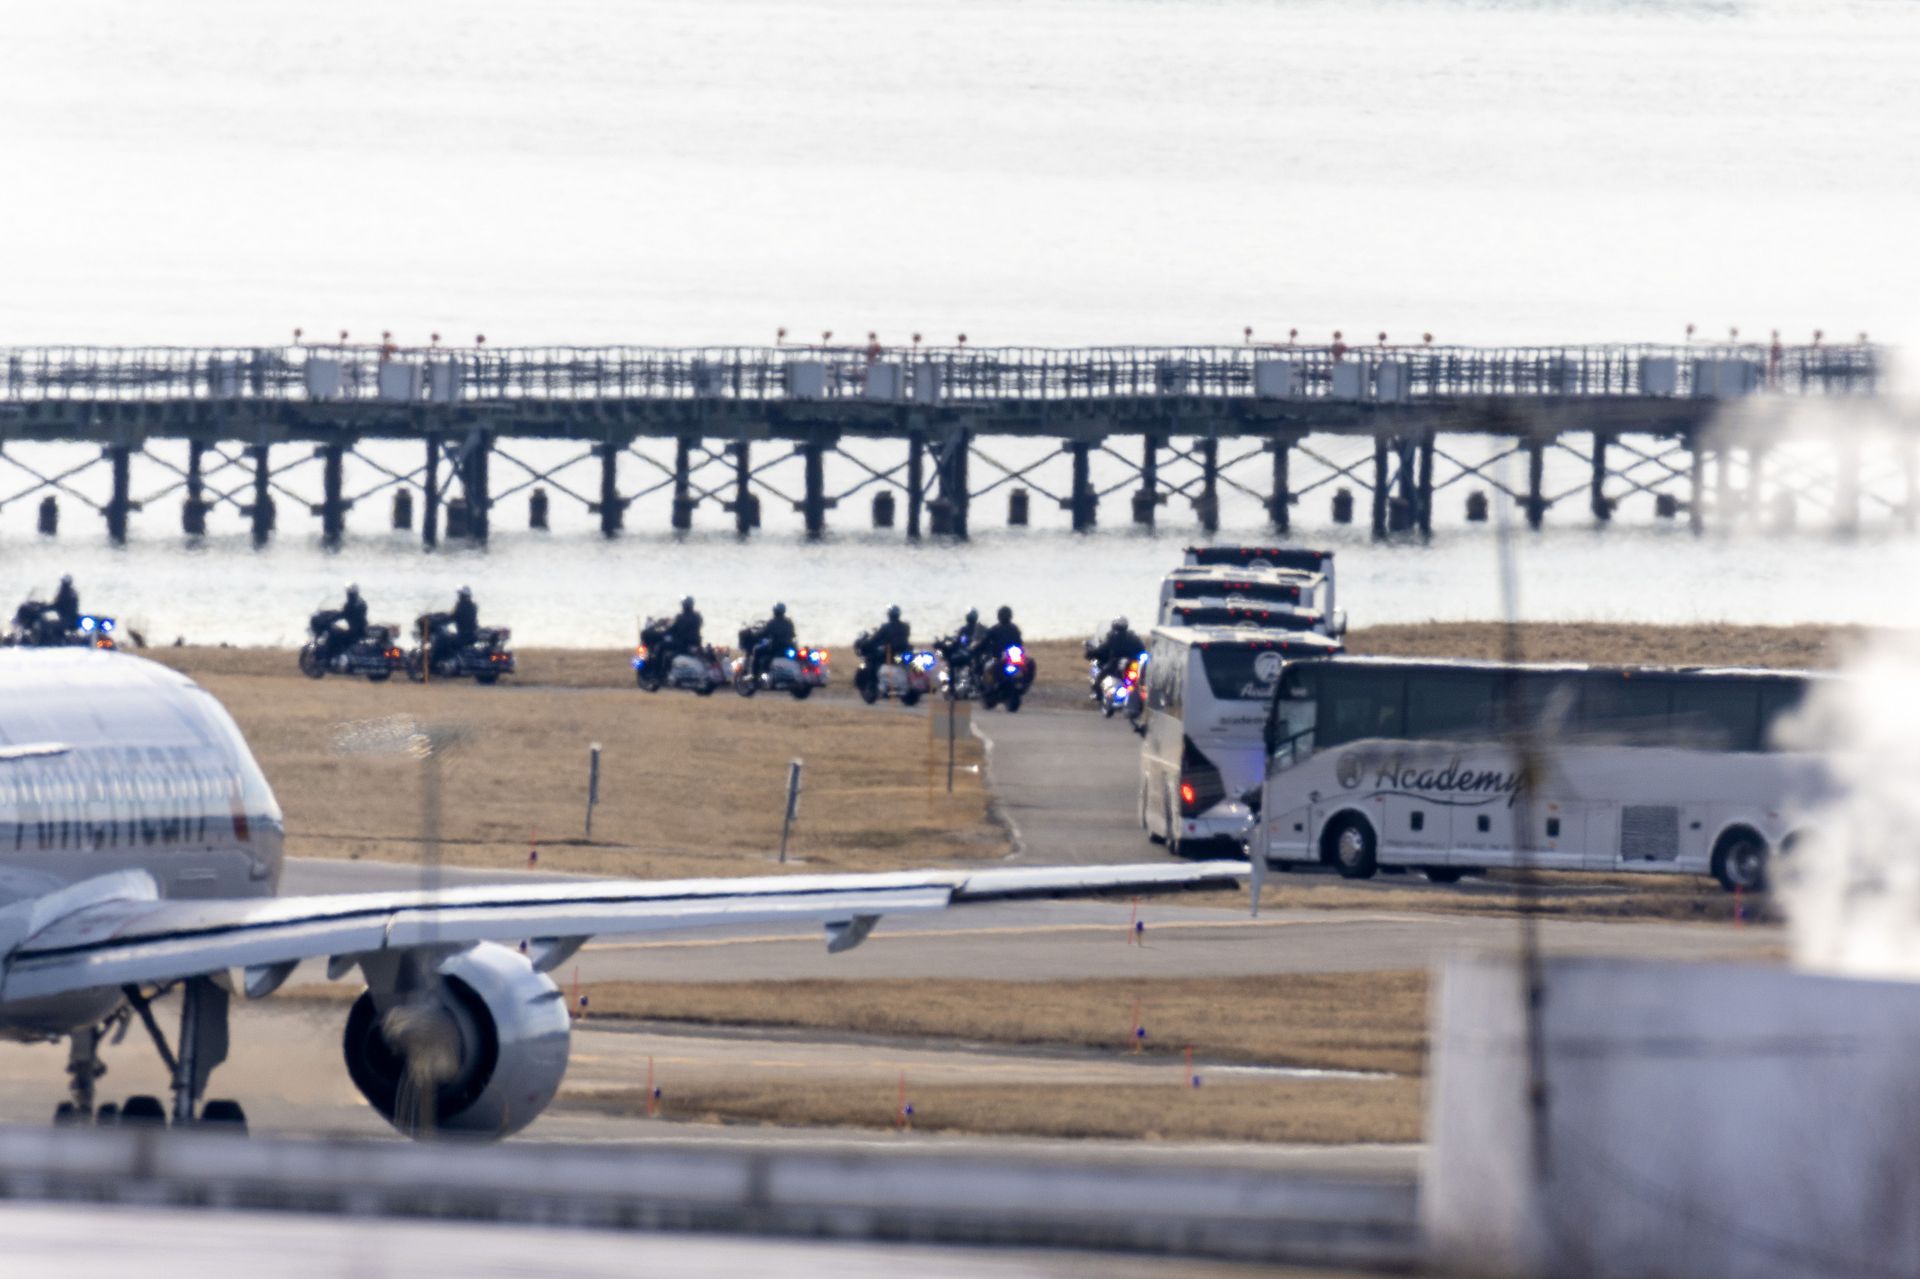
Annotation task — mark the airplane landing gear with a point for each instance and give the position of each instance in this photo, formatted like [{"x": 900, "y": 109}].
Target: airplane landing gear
[{"x": 202, "y": 1046}]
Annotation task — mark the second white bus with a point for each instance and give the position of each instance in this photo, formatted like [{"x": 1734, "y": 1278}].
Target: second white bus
[{"x": 1378, "y": 762}]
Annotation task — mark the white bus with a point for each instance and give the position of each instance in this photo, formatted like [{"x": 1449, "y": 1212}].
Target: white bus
[
  {"x": 1391, "y": 762},
  {"x": 1208, "y": 586},
  {"x": 1274, "y": 617},
  {"x": 1207, "y": 690}
]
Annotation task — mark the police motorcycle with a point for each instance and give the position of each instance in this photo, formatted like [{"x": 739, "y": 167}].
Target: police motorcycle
[
  {"x": 1112, "y": 689},
  {"x": 1006, "y": 678},
  {"x": 328, "y": 652},
  {"x": 701, "y": 672},
  {"x": 37, "y": 626},
  {"x": 441, "y": 655},
  {"x": 794, "y": 669},
  {"x": 907, "y": 676},
  {"x": 956, "y": 669}
]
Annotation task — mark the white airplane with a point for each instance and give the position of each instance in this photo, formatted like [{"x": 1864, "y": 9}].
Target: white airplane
[{"x": 140, "y": 849}]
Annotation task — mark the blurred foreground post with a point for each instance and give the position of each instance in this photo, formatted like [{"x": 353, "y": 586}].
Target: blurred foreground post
[
  {"x": 593, "y": 784},
  {"x": 793, "y": 805}
]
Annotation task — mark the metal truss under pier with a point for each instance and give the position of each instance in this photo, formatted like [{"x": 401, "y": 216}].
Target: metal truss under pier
[{"x": 1704, "y": 432}]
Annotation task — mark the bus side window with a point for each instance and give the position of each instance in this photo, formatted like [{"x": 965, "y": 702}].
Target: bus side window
[
  {"x": 1451, "y": 705},
  {"x": 1717, "y": 713},
  {"x": 1779, "y": 698},
  {"x": 1624, "y": 709},
  {"x": 1357, "y": 703}
]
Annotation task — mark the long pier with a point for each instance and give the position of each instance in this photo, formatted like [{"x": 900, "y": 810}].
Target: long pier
[{"x": 729, "y": 427}]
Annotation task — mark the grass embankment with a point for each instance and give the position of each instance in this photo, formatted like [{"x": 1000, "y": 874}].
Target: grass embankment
[
  {"x": 1341, "y": 1021},
  {"x": 689, "y": 785}
]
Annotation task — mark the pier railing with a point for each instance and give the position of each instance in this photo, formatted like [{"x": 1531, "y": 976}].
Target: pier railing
[{"x": 927, "y": 375}]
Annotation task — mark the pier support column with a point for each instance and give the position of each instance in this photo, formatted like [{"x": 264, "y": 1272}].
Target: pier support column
[
  {"x": 1083, "y": 501},
  {"x": 430, "y": 496},
  {"x": 814, "y": 505},
  {"x": 193, "y": 513},
  {"x": 1696, "y": 485},
  {"x": 1146, "y": 498},
  {"x": 261, "y": 510},
  {"x": 916, "y": 482},
  {"x": 1536, "y": 475},
  {"x": 1280, "y": 500},
  {"x": 1723, "y": 500},
  {"x": 1597, "y": 500},
  {"x": 613, "y": 507},
  {"x": 333, "y": 507},
  {"x": 742, "y": 487},
  {"x": 1207, "y": 505},
  {"x": 682, "y": 484},
  {"x": 474, "y": 486},
  {"x": 953, "y": 497},
  {"x": 119, "y": 460},
  {"x": 1380, "y": 444},
  {"x": 1423, "y": 495}
]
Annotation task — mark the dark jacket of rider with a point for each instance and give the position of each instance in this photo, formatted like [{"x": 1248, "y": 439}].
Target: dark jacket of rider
[
  {"x": 1119, "y": 646},
  {"x": 354, "y": 614},
  {"x": 466, "y": 618},
  {"x": 997, "y": 639},
  {"x": 66, "y": 602},
  {"x": 683, "y": 634},
  {"x": 777, "y": 634}
]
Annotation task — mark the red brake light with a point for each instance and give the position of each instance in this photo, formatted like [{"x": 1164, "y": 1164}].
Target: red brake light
[{"x": 1187, "y": 794}]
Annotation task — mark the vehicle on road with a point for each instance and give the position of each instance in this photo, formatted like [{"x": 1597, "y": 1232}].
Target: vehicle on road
[
  {"x": 442, "y": 656},
  {"x": 908, "y": 676},
  {"x": 328, "y": 651},
  {"x": 1004, "y": 681},
  {"x": 1264, "y": 617},
  {"x": 797, "y": 670},
  {"x": 699, "y": 672},
  {"x": 1203, "y": 761},
  {"x": 1298, "y": 559},
  {"x": 1111, "y": 689},
  {"x": 42, "y": 629},
  {"x": 1214, "y": 586},
  {"x": 1388, "y": 762}
]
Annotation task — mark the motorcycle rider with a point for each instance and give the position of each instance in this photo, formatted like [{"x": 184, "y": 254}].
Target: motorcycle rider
[
  {"x": 465, "y": 618},
  {"x": 888, "y": 640},
  {"x": 66, "y": 602},
  {"x": 995, "y": 640},
  {"x": 350, "y": 626},
  {"x": 1119, "y": 646},
  {"x": 774, "y": 639},
  {"x": 683, "y": 635},
  {"x": 965, "y": 636}
]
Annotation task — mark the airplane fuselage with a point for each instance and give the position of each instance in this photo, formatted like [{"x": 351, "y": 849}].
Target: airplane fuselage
[{"x": 110, "y": 762}]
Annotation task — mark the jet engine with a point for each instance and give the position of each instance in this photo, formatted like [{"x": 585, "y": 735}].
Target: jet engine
[{"x": 475, "y": 1043}]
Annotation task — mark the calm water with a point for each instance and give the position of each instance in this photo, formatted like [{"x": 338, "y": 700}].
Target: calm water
[{"x": 1053, "y": 171}]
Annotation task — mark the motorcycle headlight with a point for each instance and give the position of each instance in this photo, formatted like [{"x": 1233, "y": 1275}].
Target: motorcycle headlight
[{"x": 86, "y": 624}]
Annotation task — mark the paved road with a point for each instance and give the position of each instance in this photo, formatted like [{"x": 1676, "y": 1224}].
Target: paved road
[{"x": 1068, "y": 782}]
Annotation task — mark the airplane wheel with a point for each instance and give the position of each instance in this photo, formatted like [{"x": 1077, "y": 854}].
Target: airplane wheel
[
  {"x": 223, "y": 1116},
  {"x": 143, "y": 1111}
]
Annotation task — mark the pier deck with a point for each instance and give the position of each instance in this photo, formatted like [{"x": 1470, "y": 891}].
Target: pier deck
[{"x": 1643, "y": 420}]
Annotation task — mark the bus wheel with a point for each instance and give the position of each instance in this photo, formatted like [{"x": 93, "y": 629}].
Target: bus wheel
[
  {"x": 1350, "y": 846},
  {"x": 1442, "y": 874},
  {"x": 1741, "y": 862}
]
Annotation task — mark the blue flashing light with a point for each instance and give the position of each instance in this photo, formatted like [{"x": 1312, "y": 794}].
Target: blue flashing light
[
  {"x": 792, "y": 653},
  {"x": 86, "y": 624},
  {"x": 106, "y": 624}
]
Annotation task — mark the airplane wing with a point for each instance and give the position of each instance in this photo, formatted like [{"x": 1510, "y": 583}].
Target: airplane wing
[{"x": 114, "y": 930}]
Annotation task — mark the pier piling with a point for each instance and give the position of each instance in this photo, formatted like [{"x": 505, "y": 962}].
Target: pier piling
[
  {"x": 814, "y": 505},
  {"x": 742, "y": 504},
  {"x": 613, "y": 507},
  {"x": 121, "y": 502},
  {"x": 1379, "y": 487},
  {"x": 1207, "y": 505},
  {"x": 1423, "y": 501},
  {"x": 1146, "y": 498},
  {"x": 916, "y": 482},
  {"x": 474, "y": 486},
  {"x": 1083, "y": 501},
  {"x": 683, "y": 500},
  {"x": 1280, "y": 499},
  {"x": 260, "y": 510},
  {"x": 333, "y": 506},
  {"x": 193, "y": 511},
  {"x": 1597, "y": 500},
  {"x": 430, "y": 496},
  {"x": 1536, "y": 477}
]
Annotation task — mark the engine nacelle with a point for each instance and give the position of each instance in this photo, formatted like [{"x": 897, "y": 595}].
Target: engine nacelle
[{"x": 490, "y": 1040}]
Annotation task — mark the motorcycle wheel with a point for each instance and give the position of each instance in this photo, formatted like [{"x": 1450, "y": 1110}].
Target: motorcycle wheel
[
  {"x": 988, "y": 698},
  {"x": 744, "y": 683},
  {"x": 311, "y": 664},
  {"x": 415, "y": 670},
  {"x": 910, "y": 697},
  {"x": 1107, "y": 707},
  {"x": 487, "y": 677},
  {"x": 704, "y": 690},
  {"x": 646, "y": 680},
  {"x": 1013, "y": 703},
  {"x": 869, "y": 691}
]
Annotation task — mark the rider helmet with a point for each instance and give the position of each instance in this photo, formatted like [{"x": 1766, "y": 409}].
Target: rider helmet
[
  {"x": 1119, "y": 624},
  {"x": 686, "y": 604},
  {"x": 779, "y": 610},
  {"x": 893, "y": 612},
  {"x": 1006, "y": 614},
  {"x": 353, "y": 590},
  {"x": 466, "y": 592},
  {"x": 973, "y": 615}
]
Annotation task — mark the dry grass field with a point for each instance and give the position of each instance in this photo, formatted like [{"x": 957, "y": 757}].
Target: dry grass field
[{"x": 689, "y": 785}]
